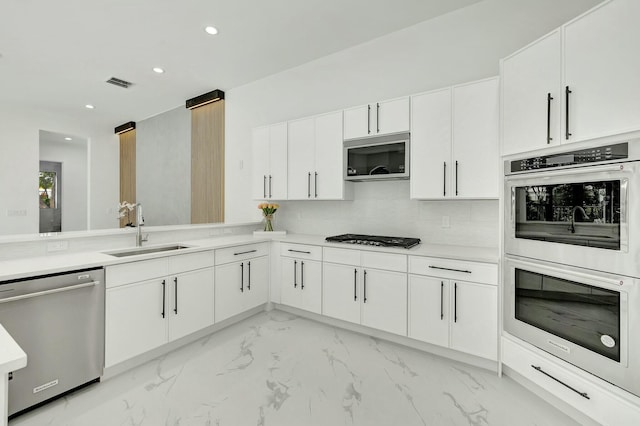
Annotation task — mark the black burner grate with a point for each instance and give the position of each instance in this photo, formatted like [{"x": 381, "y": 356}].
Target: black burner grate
[{"x": 374, "y": 240}]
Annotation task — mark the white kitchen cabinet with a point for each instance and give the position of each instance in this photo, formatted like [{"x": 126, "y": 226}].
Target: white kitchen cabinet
[
  {"x": 301, "y": 271},
  {"x": 375, "y": 119},
  {"x": 269, "y": 162},
  {"x": 190, "y": 306},
  {"x": 242, "y": 279},
  {"x": 601, "y": 68},
  {"x": 315, "y": 158},
  {"x": 532, "y": 96},
  {"x": 448, "y": 311},
  {"x": 356, "y": 292},
  {"x": 454, "y": 142}
]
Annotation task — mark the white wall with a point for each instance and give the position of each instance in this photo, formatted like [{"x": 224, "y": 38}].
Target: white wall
[
  {"x": 461, "y": 46},
  {"x": 73, "y": 156}
]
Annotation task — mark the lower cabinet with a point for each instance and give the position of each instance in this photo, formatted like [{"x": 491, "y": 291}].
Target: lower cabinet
[
  {"x": 241, "y": 284},
  {"x": 452, "y": 312},
  {"x": 301, "y": 277}
]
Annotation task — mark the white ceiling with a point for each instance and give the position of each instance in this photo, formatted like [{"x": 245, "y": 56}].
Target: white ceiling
[{"x": 57, "y": 55}]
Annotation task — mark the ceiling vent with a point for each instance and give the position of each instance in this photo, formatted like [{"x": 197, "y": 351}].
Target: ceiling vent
[{"x": 119, "y": 82}]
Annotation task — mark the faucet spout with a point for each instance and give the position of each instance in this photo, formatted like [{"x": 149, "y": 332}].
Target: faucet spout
[
  {"x": 140, "y": 223},
  {"x": 584, "y": 215}
]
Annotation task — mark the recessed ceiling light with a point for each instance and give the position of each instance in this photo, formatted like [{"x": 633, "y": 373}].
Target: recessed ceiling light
[
  {"x": 68, "y": 139},
  {"x": 211, "y": 30},
  {"x": 158, "y": 70},
  {"x": 89, "y": 106}
]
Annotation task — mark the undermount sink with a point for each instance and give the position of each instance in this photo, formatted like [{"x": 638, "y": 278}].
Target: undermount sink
[{"x": 146, "y": 250}]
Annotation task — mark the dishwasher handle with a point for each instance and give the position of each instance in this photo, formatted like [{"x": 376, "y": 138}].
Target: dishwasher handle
[{"x": 52, "y": 291}]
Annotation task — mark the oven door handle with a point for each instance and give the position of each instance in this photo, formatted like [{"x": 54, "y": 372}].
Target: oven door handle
[
  {"x": 539, "y": 369},
  {"x": 52, "y": 291}
]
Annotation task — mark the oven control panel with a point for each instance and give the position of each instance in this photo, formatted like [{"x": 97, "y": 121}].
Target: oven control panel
[{"x": 600, "y": 154}]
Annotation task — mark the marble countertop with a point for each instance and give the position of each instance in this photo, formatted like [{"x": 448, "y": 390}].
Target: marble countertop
[
  {"x": 42, "y": 265},
  {"x": 12, "y": 357}
]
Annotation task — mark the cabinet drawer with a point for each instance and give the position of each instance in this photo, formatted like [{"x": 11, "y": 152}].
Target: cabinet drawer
[
  {"x": 136, "y": 271},
  {"x": 486, "y": 273},
  {"x": 190, "y": 262},
  {"x": 389, "y": 262},
  {"x": 601, "y": 403},
  {"x": 341, "y": 256},
  {"x": 236, "y": 253},
  {"x": 301, "y": 251}
]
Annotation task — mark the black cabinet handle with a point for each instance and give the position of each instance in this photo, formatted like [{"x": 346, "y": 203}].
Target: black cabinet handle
[
  {"x": 244, "y": 252},
  {"x": 175, "y": 293},
  {"x": 368, "y": 119},
  {"x": 444, "y": 180},
  {"x": 249, "y": 276},
  {"x": 295, "y": 269},
  {"x": 264, "y": 186},
  {"x": 164, "y": 297},
  {"x": 455, "y": 302},
  {"x": 456, "y": 178},
  {"x": 567, "y": 92},
  {"x": 355, "y": 285},
  {"x": 299, "y": 251},
  {"x": 364, "y": 295},
  {"x": 270, "y": 186},
  {"x": 242, "y": 277},
  {"x": 441, "y": 300},
  {"x": 377, "y": 118},
  {"x": 450, "y": 269},
  {"x": 309, "y": 185},
  {"x": 301, "y": 275},
  {"x": 549, "y": 99},
  {"x": 538, "y": 368},
  {"x": 315, "y": 184}
]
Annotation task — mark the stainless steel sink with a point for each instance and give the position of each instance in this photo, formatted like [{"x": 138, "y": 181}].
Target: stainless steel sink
[{"x": 145, "y": 250}]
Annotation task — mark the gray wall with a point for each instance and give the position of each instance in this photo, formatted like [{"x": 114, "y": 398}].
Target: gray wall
[{"x": 163, "y": 167}]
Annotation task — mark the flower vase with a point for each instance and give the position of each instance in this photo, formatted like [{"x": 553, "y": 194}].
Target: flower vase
[{"x": 268, "y": 225}]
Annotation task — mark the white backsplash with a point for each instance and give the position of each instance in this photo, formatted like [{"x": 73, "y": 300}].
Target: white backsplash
[{"x": 384, "y": 208}]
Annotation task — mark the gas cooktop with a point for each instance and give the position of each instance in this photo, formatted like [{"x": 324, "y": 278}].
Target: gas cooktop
[{"x": 375, "y": 240}]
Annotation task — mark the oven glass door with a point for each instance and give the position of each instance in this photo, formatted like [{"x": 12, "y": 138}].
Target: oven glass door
[
  {"x": 583, "y": 213},
  {"x": 586, "y": 315}
]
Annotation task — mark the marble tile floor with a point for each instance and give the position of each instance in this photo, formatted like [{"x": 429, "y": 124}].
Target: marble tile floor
[{"x": 277, "y": 369}]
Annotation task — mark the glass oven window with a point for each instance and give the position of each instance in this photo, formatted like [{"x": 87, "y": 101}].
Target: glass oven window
[
  {"x": 376, "y": 159},
  {"x": 583, "y": 213},
  {"x": 585, "y": 315}
]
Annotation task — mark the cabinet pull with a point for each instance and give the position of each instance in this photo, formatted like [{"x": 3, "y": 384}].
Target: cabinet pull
[
  {"x": 175, "y": 294},
  {"x": 295, "y": 269},
  {"x": 315, "y": 184},
  {"x": 355, "y": 285},
  {"x": 444, "y": 180},
  {"x": 368, "y": 119},
  {"x": 377, "y": 117},
  {"x": 299, "y": 251},
  {"x": 567, "y": 92},
  {"x": 242, "y": 277},
  {"x": 249, "y": 276},
  {"x": 549, "y": 99},
  {"x": 270, "y": 186},
  {"x": 455, "y": 302},
  {"x": 264, "y": 186},
  {"x": 456, "y": 178},
  {"x": 245, "y": 252},
  {"x": 450, "y": 269},
  {"x": 164, "y": 297},
  {"x": 301, "y": 275},
  {"x": 441, "y": 300},
  {"x": 364, "y": 295},
  {"x": 309, "y": 185},
  {"x": 538, "y": 368}
]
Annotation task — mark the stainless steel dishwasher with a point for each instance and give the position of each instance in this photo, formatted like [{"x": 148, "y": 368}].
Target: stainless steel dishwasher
[{"x": 58, "y": 320}]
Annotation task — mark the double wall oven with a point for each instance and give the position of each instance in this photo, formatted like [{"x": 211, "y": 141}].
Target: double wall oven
[{"x": 572, "y": 264}]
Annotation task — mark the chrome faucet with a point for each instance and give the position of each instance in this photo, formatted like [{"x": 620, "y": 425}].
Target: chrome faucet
[
  {"x": 572, "y": 228},
  {"x": 140, "y": 223}
]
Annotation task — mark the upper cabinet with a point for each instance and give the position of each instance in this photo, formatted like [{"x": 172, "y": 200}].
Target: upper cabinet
[
  {"x": 576, "y": 83},
  {"x": 454, "y": 142},
  {"x": 270, "y": 162},
  {"x": 380, "y": 118},
  {"x": 315, "y": 158}
]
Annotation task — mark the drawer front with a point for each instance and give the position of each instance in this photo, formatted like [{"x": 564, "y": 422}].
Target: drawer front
[
  {"x": 341, "y": 256},
  {"x": 486, "y": 273},
  {"x": 134, "y": 272},
  {"x": 301, "y": 251},
  {"x": 386, "y": 261},
  {"x": 602, "y": 405},
  {"x": 190, "y": 262},
  {"x": 239, "y": 253}
]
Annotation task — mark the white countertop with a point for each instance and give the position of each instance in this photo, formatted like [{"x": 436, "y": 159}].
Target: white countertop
[
  {"x": 42, "y": 265},
  {"x": 12, "y": 357}
]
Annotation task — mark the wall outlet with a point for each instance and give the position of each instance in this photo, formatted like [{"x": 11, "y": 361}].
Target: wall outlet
[
  {"x": 16, "y": 212},
  {"x": 446, "y": 222},
  {"x": 57, "y": 246},
  {"x": 241, "y": 164}
]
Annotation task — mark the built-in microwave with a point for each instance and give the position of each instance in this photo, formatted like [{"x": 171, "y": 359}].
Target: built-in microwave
[{"x": 377, "y": 158}]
